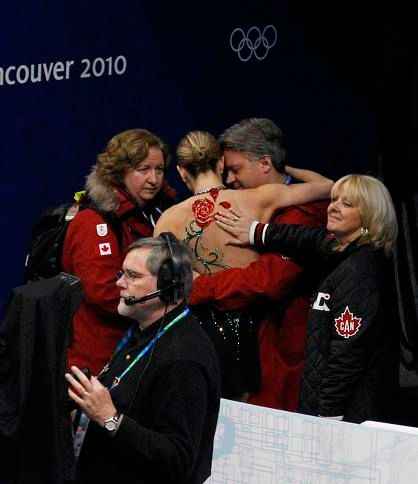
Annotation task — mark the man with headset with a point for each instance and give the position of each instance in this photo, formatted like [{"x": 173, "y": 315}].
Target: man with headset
[{"x": 152, "y": 412}]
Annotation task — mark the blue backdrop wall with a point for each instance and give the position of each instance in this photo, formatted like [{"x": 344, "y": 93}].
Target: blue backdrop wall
[{"x": 74, "y": 73}]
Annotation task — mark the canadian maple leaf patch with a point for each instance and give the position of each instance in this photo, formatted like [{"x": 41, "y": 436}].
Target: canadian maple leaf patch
[{"x": 347, "y": 324}]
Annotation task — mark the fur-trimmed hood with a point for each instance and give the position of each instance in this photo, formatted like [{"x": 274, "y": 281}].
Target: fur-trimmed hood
[{"x": 102, "y": 193}]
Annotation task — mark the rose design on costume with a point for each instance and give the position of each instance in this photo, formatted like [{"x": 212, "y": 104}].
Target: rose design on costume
[
  {"x": 202, "y": 210},
  {"x": 225, "y": 205},
  {"x": 214, "y": 192},
  {"x": 204, "y": 216}
]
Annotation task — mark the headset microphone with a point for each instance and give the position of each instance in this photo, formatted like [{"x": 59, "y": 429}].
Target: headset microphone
[{"x": 131, "y": 300}]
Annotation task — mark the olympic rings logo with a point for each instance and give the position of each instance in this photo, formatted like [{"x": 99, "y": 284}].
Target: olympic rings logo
[{"x": 254, "y": 42}]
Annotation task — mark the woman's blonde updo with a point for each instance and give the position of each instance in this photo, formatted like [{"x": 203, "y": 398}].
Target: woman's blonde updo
[
  {"x": 198, "y": 152},
  {"x": 126, "y": 151}
]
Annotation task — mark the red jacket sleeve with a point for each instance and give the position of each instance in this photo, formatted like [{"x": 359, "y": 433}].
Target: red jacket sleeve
[
  {"x": 241, "y": 287},
  {"x": 271, "y": 276},
  {"x": 94, "y": 258}
]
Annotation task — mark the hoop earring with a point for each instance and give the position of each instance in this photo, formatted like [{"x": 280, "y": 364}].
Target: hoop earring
[{"x": 364, "y": 231}]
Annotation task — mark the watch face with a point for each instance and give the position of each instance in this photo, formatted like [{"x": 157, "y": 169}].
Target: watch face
[{"x": 111, "y": 425}]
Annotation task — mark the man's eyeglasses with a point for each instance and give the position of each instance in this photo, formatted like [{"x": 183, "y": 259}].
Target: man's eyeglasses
[{"x": 130, "y": 276}]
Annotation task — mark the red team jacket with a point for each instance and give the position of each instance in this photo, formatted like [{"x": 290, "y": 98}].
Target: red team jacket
[
  {"x": 92, "y": 252},
  {"x": 278, "y": 291}
]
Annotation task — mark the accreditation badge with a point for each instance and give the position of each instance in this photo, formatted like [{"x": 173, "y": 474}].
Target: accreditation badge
[{"x": 80, "y": 433}]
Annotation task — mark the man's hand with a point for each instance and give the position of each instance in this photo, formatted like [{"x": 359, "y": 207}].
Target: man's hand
[
  {"x": 90, "y": 395},
  {"x": 236, "y": 224}
]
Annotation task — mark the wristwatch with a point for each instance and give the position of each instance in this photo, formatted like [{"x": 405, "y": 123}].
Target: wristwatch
[{"x": 111, "y": 424}]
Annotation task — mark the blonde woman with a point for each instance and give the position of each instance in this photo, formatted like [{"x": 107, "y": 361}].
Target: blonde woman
[{"x": 352, "y": 349}]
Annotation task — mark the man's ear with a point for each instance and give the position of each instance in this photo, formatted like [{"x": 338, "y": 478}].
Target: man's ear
[
  {"x": 266, "y": 164},
  {"x": 220, "y": 166}
]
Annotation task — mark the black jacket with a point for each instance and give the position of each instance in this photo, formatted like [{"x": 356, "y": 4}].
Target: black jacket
[
  {"x": 352, "y": 348},
  {"x": 35, "y": 428},
  {"x": 170, "y": 401}
]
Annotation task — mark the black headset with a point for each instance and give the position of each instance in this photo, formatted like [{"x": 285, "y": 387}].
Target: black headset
[{"x": 170, "y": 279}]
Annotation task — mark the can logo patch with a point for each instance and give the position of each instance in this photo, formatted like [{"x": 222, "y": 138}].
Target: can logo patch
[
  {"x": 105, "y": 249},
  {"x": 347, "y": 324},
  {"x": 101, "y": 230}
]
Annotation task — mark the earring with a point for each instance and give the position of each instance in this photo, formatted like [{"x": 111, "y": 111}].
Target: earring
[{"x": 364, "y": 231}]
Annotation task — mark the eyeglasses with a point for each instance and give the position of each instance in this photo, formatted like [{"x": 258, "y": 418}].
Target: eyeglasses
[{"x": 130, "y": 276}]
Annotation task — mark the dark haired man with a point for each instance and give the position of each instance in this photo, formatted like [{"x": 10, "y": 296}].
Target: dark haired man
[
  {"x": 276, "y": 289},
  {"x": 153, "y": 410}
]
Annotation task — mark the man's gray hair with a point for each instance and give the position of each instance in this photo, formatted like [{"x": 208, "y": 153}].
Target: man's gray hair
[
  {"x": 160, "y": 254},
  {"x": 256, "y": 137}
]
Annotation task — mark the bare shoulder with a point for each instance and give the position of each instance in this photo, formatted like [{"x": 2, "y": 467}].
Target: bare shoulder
[
  {"x": 270, "y": 188},
  {"x": 169, "y": 219},
  {"x": 254, "y": 201},
  {"x": 263, "y": 191},
  {"x": 174, "y": 210}
]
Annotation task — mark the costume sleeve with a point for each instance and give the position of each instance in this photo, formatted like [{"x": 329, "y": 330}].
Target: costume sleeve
[
  {"x": 92, "y": 253},
  {"x": 272, "y": 276},
  {"x": 179, "y": 403},
  {"x": 358, "y": 295}
]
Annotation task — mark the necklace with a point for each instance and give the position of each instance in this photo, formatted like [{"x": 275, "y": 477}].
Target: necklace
[{"x": 207, "y": 190}]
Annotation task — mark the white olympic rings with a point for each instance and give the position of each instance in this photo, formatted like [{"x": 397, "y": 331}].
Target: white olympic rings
[{"x": 254, "y": 42}]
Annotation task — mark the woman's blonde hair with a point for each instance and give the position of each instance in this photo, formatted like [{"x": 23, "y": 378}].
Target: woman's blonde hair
[
  {"x": 198, "y": 152},
  {"x": 375, "y": 205}
]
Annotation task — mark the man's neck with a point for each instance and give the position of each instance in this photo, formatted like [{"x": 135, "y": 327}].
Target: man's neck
[
  {"x": 276, "y": 177},
  {"x": 155, "y": 316}
]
